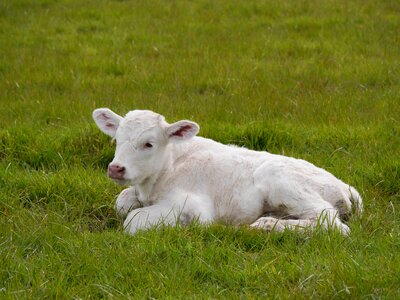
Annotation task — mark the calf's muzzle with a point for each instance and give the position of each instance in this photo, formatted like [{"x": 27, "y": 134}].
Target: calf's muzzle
[{"x": 116, "y": 171}]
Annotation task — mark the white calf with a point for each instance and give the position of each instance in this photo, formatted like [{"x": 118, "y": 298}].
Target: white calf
[{"x": 176, "y": 176}]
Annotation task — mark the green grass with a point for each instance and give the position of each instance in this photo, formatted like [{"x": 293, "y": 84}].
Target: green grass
[{"x": 318, "y": 80}]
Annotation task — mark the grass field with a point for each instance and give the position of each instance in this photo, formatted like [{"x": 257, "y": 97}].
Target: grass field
[{"x": 318, "y": 80}]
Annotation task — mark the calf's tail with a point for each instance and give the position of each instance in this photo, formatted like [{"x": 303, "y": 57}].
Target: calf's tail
[{"x": 356, "y": 201}]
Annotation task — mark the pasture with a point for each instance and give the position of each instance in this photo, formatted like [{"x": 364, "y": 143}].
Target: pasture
[{"x": 318, "y": 80}]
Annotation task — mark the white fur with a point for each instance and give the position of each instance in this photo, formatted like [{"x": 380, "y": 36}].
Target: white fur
[{"x": 175, "y": 176}]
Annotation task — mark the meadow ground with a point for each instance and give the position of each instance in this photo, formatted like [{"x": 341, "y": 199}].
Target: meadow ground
[{"x": 318, "y": 80}]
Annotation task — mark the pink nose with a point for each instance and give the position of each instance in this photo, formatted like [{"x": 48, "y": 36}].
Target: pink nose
[{"x": 116, "y": 171}]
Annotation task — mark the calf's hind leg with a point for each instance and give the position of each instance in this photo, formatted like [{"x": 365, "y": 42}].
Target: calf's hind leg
[
  {"x": 292, "y": 193},
  {"x": 308, "y": 213},
  {"x": 279, "y": 225}
]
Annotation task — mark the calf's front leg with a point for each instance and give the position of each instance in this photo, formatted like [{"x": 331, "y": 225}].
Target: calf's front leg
[
  {"x": 150, "y": 216},
  {"x": 179, "y": 207},
  {"x": 126, "y": 201}
]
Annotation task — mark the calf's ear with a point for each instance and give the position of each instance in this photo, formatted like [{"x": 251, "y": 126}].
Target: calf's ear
[
  {"x": 106, "y": 120},
  {"x": 182, "y": 130}
]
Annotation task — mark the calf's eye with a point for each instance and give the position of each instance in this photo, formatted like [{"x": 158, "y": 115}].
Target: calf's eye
[{"x": 148, "y": 145}]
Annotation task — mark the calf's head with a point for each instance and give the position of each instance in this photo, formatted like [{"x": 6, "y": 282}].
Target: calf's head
[{"x": 143, "y": 138}]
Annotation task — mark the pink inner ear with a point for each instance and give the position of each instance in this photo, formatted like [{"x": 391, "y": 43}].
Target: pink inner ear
[
  {"x": 105, "y": 117},
  {"x": 182, "y": 130}
]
